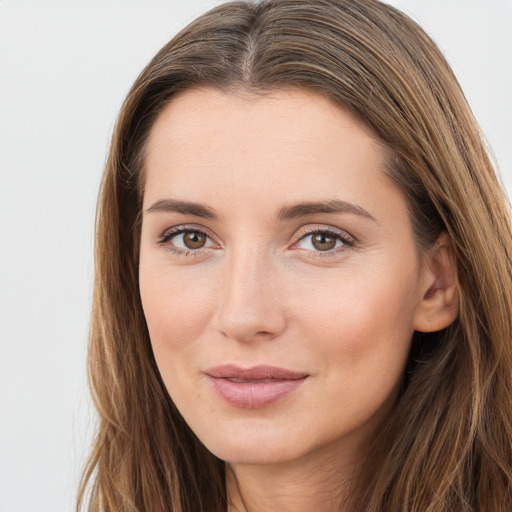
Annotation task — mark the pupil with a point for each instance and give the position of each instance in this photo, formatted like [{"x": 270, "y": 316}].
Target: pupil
[
  {"x": 323, "y": 242},
  {"x": 194, "y": 240}
]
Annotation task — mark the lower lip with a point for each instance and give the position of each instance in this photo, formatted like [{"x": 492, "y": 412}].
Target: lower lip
[{"x": 254, "y": 395}]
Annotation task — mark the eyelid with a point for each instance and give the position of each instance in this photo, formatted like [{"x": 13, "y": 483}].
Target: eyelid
[
  {"x": 165, "y": 238},
  {"x": 347, "y": 239},
  {"x": 341, "y": 233},
  {"x": 180, "y": 228}
]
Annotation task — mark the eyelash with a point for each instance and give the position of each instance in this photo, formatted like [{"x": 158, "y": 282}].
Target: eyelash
[
  {"x": 169, "y": 235},
  {"x": 347, "y": 240}
]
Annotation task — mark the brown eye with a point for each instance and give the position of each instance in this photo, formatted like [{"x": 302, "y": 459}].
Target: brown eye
[
  {"x": 194, "y": 239},
  {"x": 184, "y": 240},
  {"x": 323, "y": 241}
]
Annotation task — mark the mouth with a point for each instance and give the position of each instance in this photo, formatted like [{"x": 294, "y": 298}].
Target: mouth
[{"x": 255, "y": 387}]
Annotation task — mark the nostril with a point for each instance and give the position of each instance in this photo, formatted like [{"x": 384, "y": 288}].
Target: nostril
[{"x": 246, "y": 336}]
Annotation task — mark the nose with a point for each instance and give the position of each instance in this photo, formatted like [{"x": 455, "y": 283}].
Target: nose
[{"x": 251, "y": 305}]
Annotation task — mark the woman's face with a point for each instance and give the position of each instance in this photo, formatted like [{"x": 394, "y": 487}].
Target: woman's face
[{"x": 278, "y": 273}]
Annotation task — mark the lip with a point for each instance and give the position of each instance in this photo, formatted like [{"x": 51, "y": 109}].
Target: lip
[{"x": 255, "y": 387}]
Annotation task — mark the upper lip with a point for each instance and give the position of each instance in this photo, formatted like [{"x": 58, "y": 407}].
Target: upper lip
[{"x": 254, "y": 373}]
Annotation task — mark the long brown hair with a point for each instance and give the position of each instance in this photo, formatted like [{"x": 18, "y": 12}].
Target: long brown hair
[{"x": 448, "y": 444}]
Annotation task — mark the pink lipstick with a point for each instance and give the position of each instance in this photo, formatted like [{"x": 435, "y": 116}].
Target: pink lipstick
[{"x": 255, "y": 387}]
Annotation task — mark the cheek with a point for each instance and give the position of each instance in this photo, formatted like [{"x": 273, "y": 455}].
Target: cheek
[
  {"x": 361, "y": 315},
  {"x": 362, "y": 329},
  {"x": 177, "y": 306}
]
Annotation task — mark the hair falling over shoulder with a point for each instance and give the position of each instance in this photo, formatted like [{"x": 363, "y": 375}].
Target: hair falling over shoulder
[{"x": 448, "y": 444}]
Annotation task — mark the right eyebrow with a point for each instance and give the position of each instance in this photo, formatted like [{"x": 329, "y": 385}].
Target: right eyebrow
[
  {"x": 298, "y": 210},
  {"x": 186, "y": 207}
]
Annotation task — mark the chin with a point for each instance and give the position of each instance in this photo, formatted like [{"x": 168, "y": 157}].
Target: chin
[
  {"x": 255, "y": 454},
  {"x": 255, "y": 447}
]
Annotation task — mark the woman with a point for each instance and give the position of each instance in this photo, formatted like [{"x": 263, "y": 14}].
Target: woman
[{"x": 303, "y": 275}]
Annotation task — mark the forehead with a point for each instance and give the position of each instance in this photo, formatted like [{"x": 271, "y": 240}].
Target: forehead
[{"x": 289, "y": 142}]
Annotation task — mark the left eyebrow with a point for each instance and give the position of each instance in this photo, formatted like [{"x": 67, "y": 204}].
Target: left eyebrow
[{"x": 295, "y": 211}]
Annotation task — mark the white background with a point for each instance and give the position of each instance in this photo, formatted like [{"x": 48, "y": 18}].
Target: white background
[{"x": 65, "y": 67}]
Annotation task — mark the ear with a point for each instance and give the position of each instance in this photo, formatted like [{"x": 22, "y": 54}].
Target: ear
[{"x": 439, "y": 305}]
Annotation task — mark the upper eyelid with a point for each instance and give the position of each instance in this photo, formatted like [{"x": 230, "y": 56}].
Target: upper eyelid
[
  {"x": 344, "y": 235},
  {"x": 299, "y": 234},
  {"x": 183, "y": 228}
]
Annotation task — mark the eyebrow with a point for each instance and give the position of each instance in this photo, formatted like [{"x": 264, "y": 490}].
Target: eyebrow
[
  {"x": 186, "y": 207},
  {"x": 330, "y": 206},
  {"x": 289, "y": 212}
]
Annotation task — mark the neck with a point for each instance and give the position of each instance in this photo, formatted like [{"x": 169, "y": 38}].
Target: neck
[{"x": 322, "y": 483}]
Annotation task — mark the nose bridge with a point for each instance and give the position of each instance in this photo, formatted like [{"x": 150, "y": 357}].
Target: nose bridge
[{"x": 250, "y": 305}]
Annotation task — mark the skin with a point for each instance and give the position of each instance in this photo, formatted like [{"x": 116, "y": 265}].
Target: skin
[{"x": 259, "y": 291}]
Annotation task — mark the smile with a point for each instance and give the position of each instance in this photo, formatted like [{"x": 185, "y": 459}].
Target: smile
[{"x": 256, "y": 387}]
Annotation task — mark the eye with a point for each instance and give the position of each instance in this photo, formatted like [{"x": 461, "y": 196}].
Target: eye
[
  {"x": 186, "y": 240},
  {"x": 324, "y": 240},
  {"x": 190, "y": 240}
]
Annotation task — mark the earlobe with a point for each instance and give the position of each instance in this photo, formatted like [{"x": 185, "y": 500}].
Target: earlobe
[{"x": 439, "y": 302}]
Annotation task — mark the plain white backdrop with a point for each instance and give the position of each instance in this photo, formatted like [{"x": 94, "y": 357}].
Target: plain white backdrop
[{"x": 65, "y": 67}]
